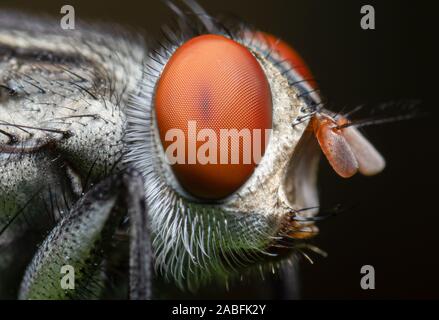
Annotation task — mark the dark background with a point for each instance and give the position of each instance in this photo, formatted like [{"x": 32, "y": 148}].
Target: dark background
[{"x": 394, "y": 226}]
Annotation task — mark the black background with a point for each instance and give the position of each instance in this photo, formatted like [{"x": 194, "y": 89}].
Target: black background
[{"x": 394, "y": 226}]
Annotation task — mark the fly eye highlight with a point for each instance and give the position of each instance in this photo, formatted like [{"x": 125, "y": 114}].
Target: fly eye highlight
[{"x": 212, "y": 95}]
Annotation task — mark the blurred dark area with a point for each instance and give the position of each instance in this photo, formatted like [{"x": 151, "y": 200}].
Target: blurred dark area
[{"x": 394, "y": 222}]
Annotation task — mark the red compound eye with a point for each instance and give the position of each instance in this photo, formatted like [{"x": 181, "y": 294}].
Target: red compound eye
[
  {"x": 287, "y": 53},
  {"x": 216, "y": 84}
]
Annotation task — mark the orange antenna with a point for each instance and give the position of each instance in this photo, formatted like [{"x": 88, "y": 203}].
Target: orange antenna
[
  {"x": 346, "y": 149},
  {"x": 335, "y": 147},
  {"x": 370, "y": 161}
]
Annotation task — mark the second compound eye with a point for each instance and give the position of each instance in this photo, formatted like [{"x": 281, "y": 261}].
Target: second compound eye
[
  {"x": 214, "y": 109},
  {"x": 288, "y": 54}
]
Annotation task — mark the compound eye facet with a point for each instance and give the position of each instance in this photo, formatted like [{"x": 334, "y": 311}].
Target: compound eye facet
[
  {"x": 210, "y": 87},
  {"x": 287, "y": 53}
]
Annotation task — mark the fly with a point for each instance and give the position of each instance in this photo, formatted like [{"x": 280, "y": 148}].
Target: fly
[{"x": 84, "y": 120}]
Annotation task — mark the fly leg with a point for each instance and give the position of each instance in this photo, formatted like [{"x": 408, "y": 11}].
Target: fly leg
[{"x": 82, "y": 239}]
